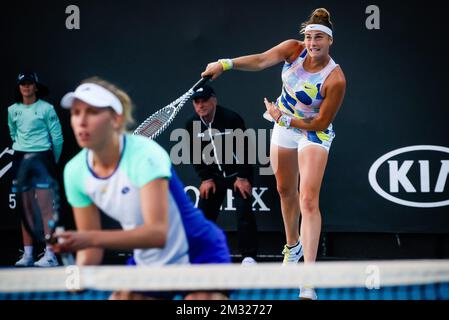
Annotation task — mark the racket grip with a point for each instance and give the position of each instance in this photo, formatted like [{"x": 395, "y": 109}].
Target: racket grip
[
  {"x": 67, "y": 258},
  {"x": 201, "y": 82}
]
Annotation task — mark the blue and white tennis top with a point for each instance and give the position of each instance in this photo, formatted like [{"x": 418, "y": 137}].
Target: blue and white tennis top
[
  {"x": 191, "y": 237},
  {"x": 301, "y": 94}
]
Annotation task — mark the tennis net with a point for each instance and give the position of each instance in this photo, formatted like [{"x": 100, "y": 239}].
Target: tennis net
[{"x": 348, "y": 280}]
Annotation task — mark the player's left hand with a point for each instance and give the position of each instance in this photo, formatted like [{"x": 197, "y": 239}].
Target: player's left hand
[
  {"x": 71, "y": 241},
  {"x": 274, "y": 111}
]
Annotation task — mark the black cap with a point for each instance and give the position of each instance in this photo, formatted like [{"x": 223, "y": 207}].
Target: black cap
[
  {"x": 31, "y": 76},
  {"x": 205, "y": 92},
  {"x": 27, "y": 77}
]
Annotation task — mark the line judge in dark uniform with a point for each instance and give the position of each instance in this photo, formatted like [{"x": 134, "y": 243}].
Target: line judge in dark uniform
[{"x": 217, "y": 173}]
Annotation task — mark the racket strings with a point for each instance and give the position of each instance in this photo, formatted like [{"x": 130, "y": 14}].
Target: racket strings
[
  {"x": 152, "y": 125},
  {"x": 158, "y": 122}
]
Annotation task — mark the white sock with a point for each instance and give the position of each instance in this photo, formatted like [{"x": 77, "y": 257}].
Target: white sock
[{"x": 28, "y": 250}]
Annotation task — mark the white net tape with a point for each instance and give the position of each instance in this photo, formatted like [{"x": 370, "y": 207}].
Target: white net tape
[{"x": 230, "y": 276}]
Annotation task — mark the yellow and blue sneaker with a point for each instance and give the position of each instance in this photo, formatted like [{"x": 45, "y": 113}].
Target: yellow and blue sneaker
[{"x": 292, "y": 254}]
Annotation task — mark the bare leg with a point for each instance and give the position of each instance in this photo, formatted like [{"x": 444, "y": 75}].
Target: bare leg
[
  {"x": 26, "y": 201},
  {"x": 312, "y": 164},
  {"x": 45, "y": 200},
  {"x": 27, "y": 240},
  {"x": 285, "y": 167}
]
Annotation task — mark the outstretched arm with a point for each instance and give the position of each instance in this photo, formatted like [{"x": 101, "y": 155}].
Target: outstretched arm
[{"x": 256, "y": 62}]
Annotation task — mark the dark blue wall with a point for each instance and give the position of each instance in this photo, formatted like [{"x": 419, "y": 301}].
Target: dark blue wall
[{"x": 396, "y": 93}]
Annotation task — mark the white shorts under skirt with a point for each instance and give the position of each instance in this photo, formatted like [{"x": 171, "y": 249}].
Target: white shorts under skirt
[{"x": 294, "y": 138}]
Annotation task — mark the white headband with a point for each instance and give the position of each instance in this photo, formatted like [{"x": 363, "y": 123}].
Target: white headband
[
  {"x": 319, "y": 27},
  {"x": 94, "y": 95}
]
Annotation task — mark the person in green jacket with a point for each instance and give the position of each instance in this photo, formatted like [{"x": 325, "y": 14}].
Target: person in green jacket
[{"x": 34, "y": 128}]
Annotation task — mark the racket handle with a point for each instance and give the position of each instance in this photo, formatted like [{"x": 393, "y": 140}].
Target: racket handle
[
  {"x": 67, "y": 258},
  {"x": 201, "y": 82}
]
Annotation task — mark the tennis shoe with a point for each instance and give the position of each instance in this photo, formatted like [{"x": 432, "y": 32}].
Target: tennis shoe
[
  {"x": 248, "y": 261},
  {"x": 292, "y": 254},
  {"x": 307, "y": 293},
  {"x": 48, "y": 260},
  {"x": 26, "y": 260}
]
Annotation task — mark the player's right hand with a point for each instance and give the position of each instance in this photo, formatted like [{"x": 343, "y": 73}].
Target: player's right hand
[{"x": 214, "y": 69}]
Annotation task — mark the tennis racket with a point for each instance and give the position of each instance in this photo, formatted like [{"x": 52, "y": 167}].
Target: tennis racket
[
  {"x": 40, "y": 201},
  {"x": 155, "y": 124}
]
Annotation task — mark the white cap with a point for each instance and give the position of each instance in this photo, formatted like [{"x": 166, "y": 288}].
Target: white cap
[{"x": 94, "y": 95}]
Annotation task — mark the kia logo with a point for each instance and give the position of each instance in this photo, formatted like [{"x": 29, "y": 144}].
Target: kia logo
[{"x": 416, "y": 176}]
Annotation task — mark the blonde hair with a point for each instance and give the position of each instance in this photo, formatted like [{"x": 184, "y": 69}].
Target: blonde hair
[
  {"x": 318, "y": 16},
  {"x": 124, "y": 98}
]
